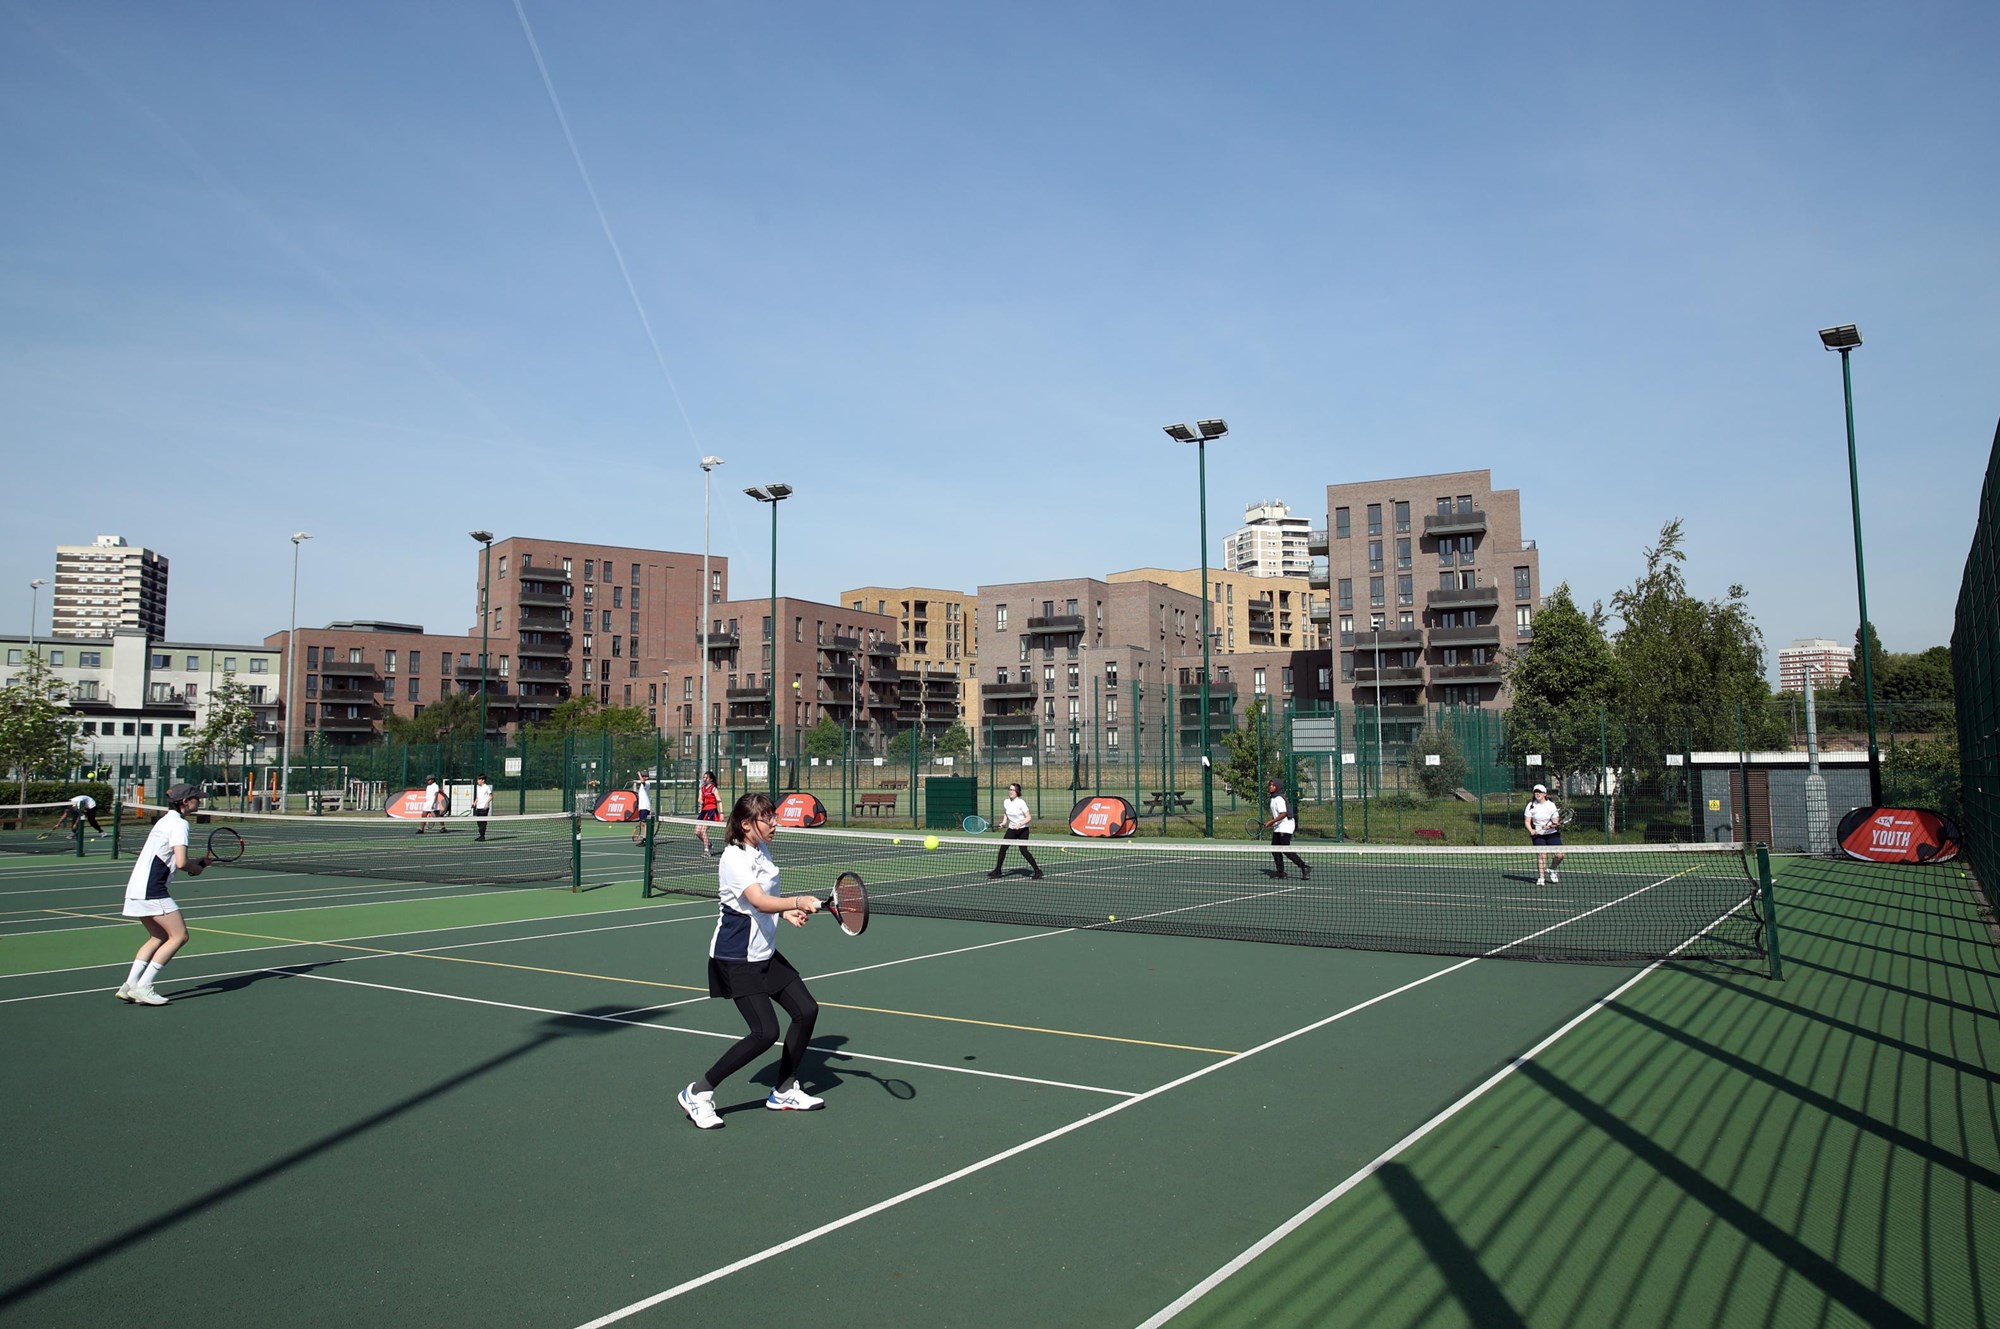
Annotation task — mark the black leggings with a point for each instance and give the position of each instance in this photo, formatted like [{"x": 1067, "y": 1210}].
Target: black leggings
[
  {"x": 1278, "y": 840},
  {"x": 1021, "y": 834},
  {"x": 763, "y": 1022}
]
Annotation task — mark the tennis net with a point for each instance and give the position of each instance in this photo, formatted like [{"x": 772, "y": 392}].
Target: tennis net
[
  {"x": 1608, "y": 904},
  {"x": 517, "y": 851},
  {"x": 32, "y": 829}
]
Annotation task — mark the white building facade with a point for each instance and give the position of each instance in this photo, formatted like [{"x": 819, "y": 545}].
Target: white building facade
[{"x": 1270, "y": 543}]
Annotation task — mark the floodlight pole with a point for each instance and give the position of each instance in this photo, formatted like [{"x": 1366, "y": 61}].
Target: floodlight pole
[
  {"x": 708, "y": 465},
  {"x": 485, "y": 624},
  {"x": 1844, "y": 340},
  {"x": 773, "y": 494},
  {"x": 1208, "y": 429},
  {"x": 35, "y": 610},
  {"x": 291, "y": 677}
]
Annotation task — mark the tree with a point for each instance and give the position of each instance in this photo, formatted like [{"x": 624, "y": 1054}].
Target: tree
[
  {"x": 955, "y": 741},
  {"x": 36, "y": 732},
  {"x": 825, "y": 739},
  {"x": 453, "y": 713},
  {"x": 231, "y": 726},
  {"x": 584, "y": 714},
  {"x": 1562, "y": 682},
  {"x": 1440, "y": 780},
  {"x": 1252, "y": 754}
]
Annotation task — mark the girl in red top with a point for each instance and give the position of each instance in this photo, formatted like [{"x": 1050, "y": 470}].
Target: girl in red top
[{"x": 710, "y": 810}]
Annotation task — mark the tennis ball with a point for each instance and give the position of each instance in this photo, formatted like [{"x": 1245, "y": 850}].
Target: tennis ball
[
  {"x": 1111, "y": 918},
  {"x": 930, "y": 842},
  {"x": 897, "y": 840}
]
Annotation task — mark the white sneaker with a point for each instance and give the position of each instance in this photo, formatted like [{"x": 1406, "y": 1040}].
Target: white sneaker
[
  {"x": 145, "y": 996},
  {"x": 124, "y": 992},
  {"x": 1554, "y": 880},
  {"x": 795, "y": 1099},
  {"x": 1541, "y": 881},
  {"x": 700, "y": 1109}
]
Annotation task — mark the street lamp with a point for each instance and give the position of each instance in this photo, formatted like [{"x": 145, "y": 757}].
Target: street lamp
[
  {"x": 1208, "y": 429},
  {"x": 773, "y": 494},
  {"x": 34, "y": 609},
  {"x": 708, "y": 465},
  {"x": 291, "y": 676},
  {"x": 485, "y": 623},
  {"x": 1844, "y": 339}
]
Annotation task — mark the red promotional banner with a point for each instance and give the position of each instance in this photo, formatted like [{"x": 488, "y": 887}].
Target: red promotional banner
[
  {"x": 408, "y": 805},
  {"x": 801, "y": 810},
  {"x": 1898, "y": 835},
  {"x": 618, "y": 805},
  {"x": 1104, "y": 817}
]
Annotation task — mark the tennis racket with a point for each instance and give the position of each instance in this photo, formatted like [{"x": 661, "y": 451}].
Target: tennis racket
[
  {"x": 1253, "y": 828},
  {"x": 849, "y": 903},
  {"x": 974, "y": 825},
  {"x": 224, "y": 846}
]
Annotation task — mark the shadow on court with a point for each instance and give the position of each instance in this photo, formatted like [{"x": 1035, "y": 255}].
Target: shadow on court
[{"x": 593, "y": 1021}]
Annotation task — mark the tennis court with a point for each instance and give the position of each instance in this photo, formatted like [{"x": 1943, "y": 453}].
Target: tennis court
[{"x": 445, "y": 1103}]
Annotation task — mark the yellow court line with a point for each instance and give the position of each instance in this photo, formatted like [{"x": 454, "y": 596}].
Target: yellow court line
[{"x": 683, "y": 987}]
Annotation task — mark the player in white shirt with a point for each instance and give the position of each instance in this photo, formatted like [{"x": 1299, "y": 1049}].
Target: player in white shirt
[
  {"x": 644, "y": 813},
  {"x": 482, "y": 802},
  {"x": 1544, "y": 822},
  {"x": 82, "y": 808},
  {"x": 1281, "y": 825},
  {"x": 433, "y": 802},
  {"x": 745, "y": 966},
  {"x": 1014, "y": 819},
  {"x": 149, "y": 899}
]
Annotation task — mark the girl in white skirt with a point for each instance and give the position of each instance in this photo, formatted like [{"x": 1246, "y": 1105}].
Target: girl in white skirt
[{"x": 148, "y": 899}]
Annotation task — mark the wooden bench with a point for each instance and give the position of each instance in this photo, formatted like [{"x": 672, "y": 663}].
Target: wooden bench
[
  {"x": 1172, "y": 800},
  {"x": 875, "y": 803},
  {"x": 895, "y": 784},
  {"x": 1429, "y": 833}
]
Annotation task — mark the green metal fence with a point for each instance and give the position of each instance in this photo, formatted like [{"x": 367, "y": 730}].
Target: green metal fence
[{"x": 1975, "y": 664}]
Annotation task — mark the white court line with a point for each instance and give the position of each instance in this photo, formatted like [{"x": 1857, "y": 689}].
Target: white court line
[
  {"x": 700, "y": 1033},
  {"x": 992, "y": 1160},
  {"x": 1305, "y": 1215}
]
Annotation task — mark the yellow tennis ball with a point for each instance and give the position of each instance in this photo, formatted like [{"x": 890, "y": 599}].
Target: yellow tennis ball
[
  {"x": 897, "y": 840},
  {"x": 930, "y": 842},
  {"x": 1111, "y": 918}
]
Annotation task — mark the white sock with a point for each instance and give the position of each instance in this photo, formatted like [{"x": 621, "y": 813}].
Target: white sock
[
  {"x": 138, "y": 972},
  {"x": 152, "y": 972}
]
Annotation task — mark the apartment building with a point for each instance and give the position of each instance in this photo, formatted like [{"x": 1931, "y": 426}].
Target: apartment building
[
  {"x": 1271, "y": 542},
  {"x": 1827, "y": 661},
  {"x": 938, "y": 631},
  {"x": 1246, "y": 612},
  {"x": 1432, "y": 587},
  {"x": 107, "y": 585},
  {"x": 130, "y": 694},
  {"x": 352, "y": 675},
  {"x": 828, "y": 661}
]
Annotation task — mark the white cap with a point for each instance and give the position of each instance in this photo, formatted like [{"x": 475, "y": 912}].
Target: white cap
[{"x": 1541, "y": 789}]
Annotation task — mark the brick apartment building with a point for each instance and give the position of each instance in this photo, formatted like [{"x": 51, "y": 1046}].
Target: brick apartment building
[
  {"x": 1433, "y": 585},
  {"x": 1246, "y": 611},
  {"x": 938, "y": 631},
  {"x": 830, "y": 661}
]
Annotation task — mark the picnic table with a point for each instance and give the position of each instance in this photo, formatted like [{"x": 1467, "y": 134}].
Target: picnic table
[{"x": 1171, "y": 800}]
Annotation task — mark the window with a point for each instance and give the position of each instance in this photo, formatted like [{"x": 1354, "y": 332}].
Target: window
[
  {"x": 1049, "y": 676},
  {"x": 1000, "y": 676},
  {"x": 1405, "y": 592},
  {"x": 1374, "y": 519},
  {"x": 1403, "y": 552},
  {"x": 635, "y": 574},
  {"x": 1347, "y": 593},
  {"x": 687, "y": 688},
  {"x": 1523, "y": 620},
  {"x": 193, "y": 663},
  {"x": 635, "y": 622},
  {"x": 715, "y": 588},
  {"x": 1075, "y": 709},
  {"x": 1374, "y": 555},
  {"x": 416, "y": 661},
  {"x": 1110, "y": 673},
  {"x": 999, "y": 618},
  {"x": 628, "y": 694},
  {"x": 1465, "y": 549},
  {"x": 14, "y": 655},
  {"x": 1465, "y": 502},
  {"x": 1375, "y": 593},
  {"x": 1521, "y": 583},
  {"x": 1069, "y": 607},
  {"x": 129, "y": 729},
  {"x": 1402, "y": 516},
  {"x": 163, "y": 662},
  {"x": 587, "y": 643},
  {"x": 1446, "y": 556},
  {"x": 145, "y": 730},
  {"x": 590, "y": 569},
  {"x": 90, "y": 659},
  {"x": 1111, "y": 738},
  {"x": 354, "y": 655},
  {"x": 413, "y": 689},
  {"x": 617, "y": 597},
  {"x": 503, "y": 567},
  {"x": 1447, "y": 581},
  {"x": 1257, "y": 680},
  {"x": 618, "y": 646},
  {"x": 388, "y": 689},
  {"x": 312, "y": 685},
  {"x": 55, "y": 657},
  {"x": 1341, "y": 524},
  {"x": 259, "y": 665},
  {"x": 1347, "y": 629},
  {"x": 388, "y": 662},
  {"x": 85, "y": 691},
  {"x": 1285, "y": 673},
  {"x": 1074, "y": 676}
]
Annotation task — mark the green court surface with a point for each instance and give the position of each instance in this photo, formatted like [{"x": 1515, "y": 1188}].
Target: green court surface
[{"x": 398, "y": 1103}]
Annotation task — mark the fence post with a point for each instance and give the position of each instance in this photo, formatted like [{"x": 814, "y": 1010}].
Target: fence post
[
  {"x": 575, "y": 851},
  {"x": 1764, "y": 888}
]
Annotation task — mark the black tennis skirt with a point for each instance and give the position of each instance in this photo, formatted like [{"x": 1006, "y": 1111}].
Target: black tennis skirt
[{"x": 750, "y": 978}]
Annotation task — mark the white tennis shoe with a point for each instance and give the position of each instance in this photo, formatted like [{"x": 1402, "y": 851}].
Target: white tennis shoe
[
  {"x": 145, "y": 996},
  {"x": 700, "y": 1109},
  {"x": 795, "y": 1099}
]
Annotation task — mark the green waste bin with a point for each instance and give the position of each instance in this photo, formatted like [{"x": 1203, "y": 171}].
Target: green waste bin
[{"x": 949, "y": 800}]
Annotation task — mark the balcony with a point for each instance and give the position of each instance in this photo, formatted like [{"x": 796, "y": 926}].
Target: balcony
[
  {"x": 1054, "y": 625},
  {"x": 556, "y": 620},
  {"x": 1389, "y": 639},
  {"x": 1364, "y": 677},
  {"x": 349, "y": 668},
  {"x": 750, "y": 723},
  {"x": 474, "y": 671},
  {"x": 1316, "y": 542},
  {"x": 1490, "y": 672},
  {"x": 1318, "y": 577},
  {"x": 1489, "y": 635},
  {"x": 346, "y": 724},
  {"x": 1001, "y": 691},
  {"x": 540, "y": 572},
  {"x": 552, "y": 644},
  {"x": 759, "y": 693},
  {"x": 347, "y": 697},
  {"x": 720, "y": 641},
  {"x": 1464, "y": 597},
  {"x": 1320, "y": 612},
  {"x": 1455, "y": 523},
  {"x": 839, "y": 643},
  {"x": 1402, "y": 713},
  {"x": 999, "y": 723},
  {"x": 888, "y": 649},
  {"x": 542, "y": 597}
]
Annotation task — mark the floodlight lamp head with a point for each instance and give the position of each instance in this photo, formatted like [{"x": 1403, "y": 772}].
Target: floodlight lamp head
[
  {"x": 38, "y": 582},
  {"x": 484, "y": 537},
  {"x": 710, "y": 463},
  {"x": 300, "y": 537},
  {"x": 1212, "y": 428},
  {"x": 1180, "y": 433},
  {"x": 1843, "y": 338}
]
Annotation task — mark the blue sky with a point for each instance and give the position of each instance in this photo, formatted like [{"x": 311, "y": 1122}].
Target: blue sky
[{"x": 947, "y": 270}]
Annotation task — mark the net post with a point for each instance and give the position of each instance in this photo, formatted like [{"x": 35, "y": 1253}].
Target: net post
[
  {"x": 117, "y": 810},
  {"x": 652, "y": 828},
  {"x": 1764, "y": 891},
  {"x": 76, "y": 833},
  {"x": 575, "y": 851}
]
